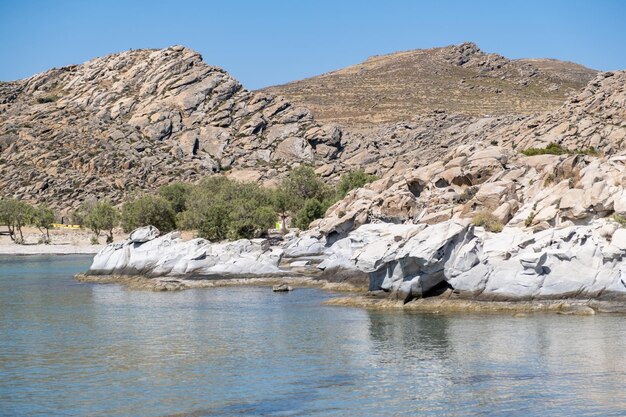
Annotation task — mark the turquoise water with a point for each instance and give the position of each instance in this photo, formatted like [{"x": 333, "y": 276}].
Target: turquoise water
[{"x": 75, "y": 349}]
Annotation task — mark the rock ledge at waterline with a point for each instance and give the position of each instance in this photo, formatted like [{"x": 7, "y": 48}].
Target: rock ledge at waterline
[{"x": 404, "y": 261}]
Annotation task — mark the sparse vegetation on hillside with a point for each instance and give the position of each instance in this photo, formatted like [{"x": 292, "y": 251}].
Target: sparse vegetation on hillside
[
  {"x": 456, "y": 78},
  {"x": 556, "y": 149},
  {"x": 487, "y": 220}
]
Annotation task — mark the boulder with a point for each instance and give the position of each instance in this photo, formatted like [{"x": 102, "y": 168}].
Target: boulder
[
  {"x": 284, "y": 287},
  {"x": 618, "y": 239},
  {"x": 294, "y": 148},
  {"x": 144, "y": 234}
]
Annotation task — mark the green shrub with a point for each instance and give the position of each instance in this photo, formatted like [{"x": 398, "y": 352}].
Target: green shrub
[
  {"x": 621, "y": 220},
  {"x": 219, "y": 208},
  {"x": 487, "y": 220},
  {"x": 148, "y": 210},
  {"x": 303, "y": 184},
  {"x": 556, "y": 149},
  {"x": 311, "y": 210},
  {"x": 47, "y": 99},
  {"x": 352, "y": 180},
  {"x": 102, "y": 216},
  {"x": 176, "y": 193},
  {"x": 530, "y": 218}
]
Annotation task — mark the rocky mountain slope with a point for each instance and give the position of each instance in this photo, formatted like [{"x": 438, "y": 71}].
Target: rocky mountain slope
[
  {"x": 593, "y": 118},
  {"x": 130, "y": 122},
  {"x": 455, "y": 79},
  {"x": 489, "y": 173},
  {"x": 482, "y": 223},
  {"x": 133, "y": 121}
]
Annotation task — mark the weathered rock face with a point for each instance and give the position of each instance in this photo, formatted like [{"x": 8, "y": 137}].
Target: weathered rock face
[
  {"x": 489, "y": 175},
  {"x": 596, "y": 117},
  {"x": 139, "y": 119},
  {"x": 168, "y": 255},
  {"x": 410, "y": 261},
  {"x": 407, "y": 261},
  {"x": 413, "y": 230}
]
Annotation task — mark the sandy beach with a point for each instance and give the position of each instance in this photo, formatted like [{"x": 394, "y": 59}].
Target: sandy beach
[{"x": 62, "y": 242}]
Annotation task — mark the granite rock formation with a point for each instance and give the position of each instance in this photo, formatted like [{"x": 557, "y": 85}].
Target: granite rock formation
[{"x": 132, "y": 121}]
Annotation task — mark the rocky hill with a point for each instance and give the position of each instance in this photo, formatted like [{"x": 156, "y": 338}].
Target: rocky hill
[
  {"x": 488, "y": 173},
  {"x": 133, "y": 121},
  {"x": 455, "y": 79},
  {"x": 130, "y": 122}
]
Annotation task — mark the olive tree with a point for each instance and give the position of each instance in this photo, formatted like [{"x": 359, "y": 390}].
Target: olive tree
[
  {"x": 102, "y": 217},
  {"x": 15, "y": 214},
  {"x": 43, "y": 217},
  {"x": 148, "y": 210}
]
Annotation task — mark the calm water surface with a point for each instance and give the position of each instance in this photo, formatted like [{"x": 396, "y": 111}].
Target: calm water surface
[{"x": 75, "y": 349}]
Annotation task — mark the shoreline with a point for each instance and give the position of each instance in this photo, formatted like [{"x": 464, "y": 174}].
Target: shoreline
[
  {"x": 43, "y": 249},
  {"x": 358, "y": 296},
  {"x": 172, "y": 283}
]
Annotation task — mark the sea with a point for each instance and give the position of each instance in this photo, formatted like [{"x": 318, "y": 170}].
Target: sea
[{"x": 79, "y": 349}]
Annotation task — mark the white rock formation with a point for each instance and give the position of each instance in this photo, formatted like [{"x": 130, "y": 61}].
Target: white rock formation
[
  {"x": 410, "y": 260},
  {"x": 169, "y": 255},
  {"x": 407, "y": 261}
]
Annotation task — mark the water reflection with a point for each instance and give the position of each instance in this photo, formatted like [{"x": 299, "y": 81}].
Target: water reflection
[{"x": 472, "y": 362}]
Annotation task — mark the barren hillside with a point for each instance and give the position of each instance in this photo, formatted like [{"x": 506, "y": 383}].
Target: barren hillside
[{"x": 457, "y": 79}]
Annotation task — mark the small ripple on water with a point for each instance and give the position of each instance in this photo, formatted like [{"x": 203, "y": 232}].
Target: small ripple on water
[{"x": 81, "y": 349}]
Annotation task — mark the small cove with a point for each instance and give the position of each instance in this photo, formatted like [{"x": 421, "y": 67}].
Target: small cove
[{"x": 74, "y": 349}]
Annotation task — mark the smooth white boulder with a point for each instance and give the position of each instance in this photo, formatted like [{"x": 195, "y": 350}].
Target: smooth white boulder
[
  {"x": 170, "y": 255},
  {"x": 407, "y": 260},
  {"x": 144, "y": 234}
]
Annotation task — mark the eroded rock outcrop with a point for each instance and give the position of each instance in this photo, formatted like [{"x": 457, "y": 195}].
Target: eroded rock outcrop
[
  {"x": 153, "y": 256},
  {"x": 410, "y": 260},
  {"x": 139, "y": 119},
  {"x": 405, "y": 260}
]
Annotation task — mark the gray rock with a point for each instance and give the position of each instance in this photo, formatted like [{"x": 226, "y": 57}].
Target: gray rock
[
  {"x": 144, "y": 234},
  {"x": 281, "y": 288}
]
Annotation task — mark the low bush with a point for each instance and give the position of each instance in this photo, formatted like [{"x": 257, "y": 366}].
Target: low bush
[
  {"x": 617, "y": 218},
  {"x": 529, "y": 220},
  {"x": 556, "y": 149},
  {"x": 148, "y": 210},
  {"x": 47, "y": 99},
  {"x": 487, "y": 220}
]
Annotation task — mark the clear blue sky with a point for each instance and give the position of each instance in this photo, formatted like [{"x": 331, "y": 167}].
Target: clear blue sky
[{"x": 263, "y": 43}]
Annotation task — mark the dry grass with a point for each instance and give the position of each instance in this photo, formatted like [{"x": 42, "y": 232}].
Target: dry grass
[
  {"x": 487, "y": 220},
  {"x": 398, "y": 86}
]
